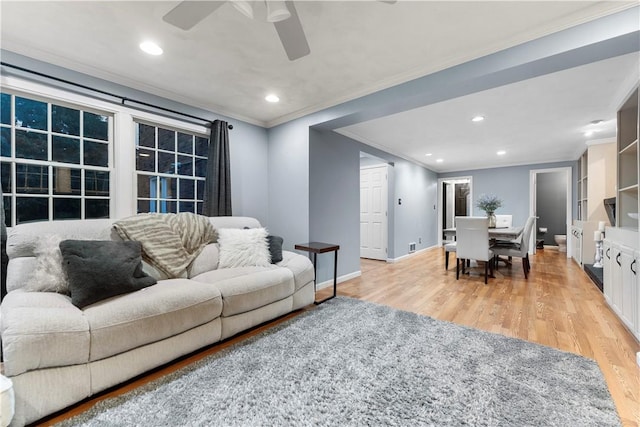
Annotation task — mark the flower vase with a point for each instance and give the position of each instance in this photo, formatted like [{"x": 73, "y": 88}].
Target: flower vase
[{"x": 492, "y": 219}]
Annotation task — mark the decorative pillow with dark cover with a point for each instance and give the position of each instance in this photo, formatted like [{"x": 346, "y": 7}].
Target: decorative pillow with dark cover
[
  {"x": 275, "y": 248},
  {"x": 99, "y": 269}
]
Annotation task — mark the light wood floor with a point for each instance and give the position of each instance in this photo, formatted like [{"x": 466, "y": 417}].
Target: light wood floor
[{"x": 558, "y": 306}]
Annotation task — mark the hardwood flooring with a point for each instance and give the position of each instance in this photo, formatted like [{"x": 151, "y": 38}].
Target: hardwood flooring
[{"x": 557, "y": 306}]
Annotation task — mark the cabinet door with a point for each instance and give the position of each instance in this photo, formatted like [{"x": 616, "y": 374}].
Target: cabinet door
[
  {"x": 606, "y": 270},
  {"x": 627, "y": 298},
  {"x": 636, "y": 274},
  {"x": 616, "y": 279},
  {"x": 576, "y": 242}
]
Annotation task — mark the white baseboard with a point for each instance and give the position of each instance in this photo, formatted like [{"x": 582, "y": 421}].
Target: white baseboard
[
  {"x": 341, "y": 279},
  {"x": 392, "y": 260}
]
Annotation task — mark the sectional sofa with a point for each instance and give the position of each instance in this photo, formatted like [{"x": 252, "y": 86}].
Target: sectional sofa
[{"x": 58, "y": 354}]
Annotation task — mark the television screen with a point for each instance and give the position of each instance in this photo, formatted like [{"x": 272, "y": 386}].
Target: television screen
[{"x": 610, "y": 207}]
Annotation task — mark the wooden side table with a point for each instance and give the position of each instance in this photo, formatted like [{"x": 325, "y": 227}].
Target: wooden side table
[{"x": 319, "y": 248}]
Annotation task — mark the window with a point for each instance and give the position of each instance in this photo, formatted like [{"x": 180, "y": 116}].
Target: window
[
  {"x": 171, "y": 169},
  {"x": 54, "y": 161}
]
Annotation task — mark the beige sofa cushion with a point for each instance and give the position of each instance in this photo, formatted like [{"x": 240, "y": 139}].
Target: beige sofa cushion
[
  {"x": 151, "y": 314},
  {"x": 300, "y": 266},
  {"x": 42, "y": 330},
  {"x": 23, "y": 239},
  {"x": 206, "y": 260},
  {"x": 247, "y": 288}
]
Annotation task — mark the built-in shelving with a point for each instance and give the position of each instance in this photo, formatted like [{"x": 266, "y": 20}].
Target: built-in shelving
[
  {"x": 583, "y": 191},
  {"x": 628, "y": 164}
]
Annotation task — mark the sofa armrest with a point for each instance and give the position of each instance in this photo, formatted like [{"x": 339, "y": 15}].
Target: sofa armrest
[{"x": 41, "y": 330}]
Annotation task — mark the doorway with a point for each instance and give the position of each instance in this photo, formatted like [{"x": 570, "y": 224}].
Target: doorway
[
  {"x": 374, "y": 189},
  {"x": 455, "y": 200},
  {"x": 550, "y": 191}
]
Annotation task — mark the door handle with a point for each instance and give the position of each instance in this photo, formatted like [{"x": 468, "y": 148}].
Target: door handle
[
  {"x": 618, "y": 259},
  {"x": 608, "y": 252},
  {"x": 632, "y": 264}
]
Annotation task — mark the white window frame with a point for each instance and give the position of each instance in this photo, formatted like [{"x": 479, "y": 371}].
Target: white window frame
[
  {"x": 122, "y": 167},
  {"x": 176, "y": 176}
]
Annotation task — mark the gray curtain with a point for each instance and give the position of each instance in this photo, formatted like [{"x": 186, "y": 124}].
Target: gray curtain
[{"x": 217, "y": 193}]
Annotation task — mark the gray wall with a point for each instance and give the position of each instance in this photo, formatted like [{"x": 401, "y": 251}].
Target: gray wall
[
  {"x": 334, "y": 201},
  {"x": 288, "y": 182},
  {"x": 551, "y": 196},
  {"x": 416, "y": 218},
  {"x": 511, "y": 184}
]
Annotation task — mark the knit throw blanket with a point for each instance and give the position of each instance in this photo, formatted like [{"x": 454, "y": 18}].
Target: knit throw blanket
[{"x": 170, "y": 242}]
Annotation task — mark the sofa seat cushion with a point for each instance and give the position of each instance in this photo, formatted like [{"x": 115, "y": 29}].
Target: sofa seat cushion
[
  {"x": 301, "y": 267},
  {"x": 163, "y": 310},
  {"x": 42, "y": 330},
  {"x": 247, "y": 288}
]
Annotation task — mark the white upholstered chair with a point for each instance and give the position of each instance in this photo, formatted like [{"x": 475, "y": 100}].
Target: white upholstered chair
[
  {"x": 519, "y": 249},
  {"x": 472, "y": 236},
  {"x": 449, "y": 247}
]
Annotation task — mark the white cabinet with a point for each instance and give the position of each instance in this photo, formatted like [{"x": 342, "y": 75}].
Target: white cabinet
[
  {"x": 624, "y": 282},
  {"x": 621, "y": 285},
  {"x": 607, "y": 271},
  {"x": 636, "y": 274},
  {"x": 583, "y": 247},
  {"x": 576, "y": 244}
]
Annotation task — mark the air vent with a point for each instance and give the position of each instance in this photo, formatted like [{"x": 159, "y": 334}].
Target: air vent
[{"x": 412, "y": 247}]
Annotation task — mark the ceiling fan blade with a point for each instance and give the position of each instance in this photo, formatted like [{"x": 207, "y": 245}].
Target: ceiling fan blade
[
  {"x": 292, "y": 35},
  {"x": 188, "y": 13}
]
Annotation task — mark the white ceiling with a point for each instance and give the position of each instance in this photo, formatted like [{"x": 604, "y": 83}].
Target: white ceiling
[
  {"x": 535, "y": 121},
  {"x": 228, "y": 63}
]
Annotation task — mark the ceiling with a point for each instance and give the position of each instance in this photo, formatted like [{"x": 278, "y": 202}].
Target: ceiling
[
  {"x": 228, "y": 63},
  {"x": 533, "y": 121}
]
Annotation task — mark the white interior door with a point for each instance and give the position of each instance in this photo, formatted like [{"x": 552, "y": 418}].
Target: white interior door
[{"x": 373, "y": 212}]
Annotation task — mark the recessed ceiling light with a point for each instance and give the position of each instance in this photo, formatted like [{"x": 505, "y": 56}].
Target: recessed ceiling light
[
  {"x": 440, "y": 160},
  {"x": 477, "y": 119},
  {"x": 501, "y": 153},
  {"x": 429, "y": 154},
  {"x": 272, "y": 98},
  {"x": 151, "y": 48}
]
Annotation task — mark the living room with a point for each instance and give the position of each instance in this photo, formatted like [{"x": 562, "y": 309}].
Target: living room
[{"x": 291, "y": 167}]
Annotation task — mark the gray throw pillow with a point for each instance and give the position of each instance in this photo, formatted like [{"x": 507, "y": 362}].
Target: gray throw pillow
[
  {"x": 275, "y": 248},
  {"x": 100, "y": 269}
]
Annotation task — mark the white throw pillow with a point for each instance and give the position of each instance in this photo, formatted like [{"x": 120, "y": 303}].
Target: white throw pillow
[
  {"x": 48, "y": 276},
  {"x": 243, "y": 248}
]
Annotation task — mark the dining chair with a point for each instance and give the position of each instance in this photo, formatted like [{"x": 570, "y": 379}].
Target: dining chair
[
  {"x": 472, "y": 237},
  {"x": 518, "y": 249},
  {"x": 449, "y": 247}
]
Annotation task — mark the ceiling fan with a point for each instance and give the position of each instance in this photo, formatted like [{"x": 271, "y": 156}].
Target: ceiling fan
[{"x": 282, "y": 14}]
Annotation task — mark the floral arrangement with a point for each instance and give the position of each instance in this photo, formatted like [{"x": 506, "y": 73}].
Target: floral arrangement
[{"x": 489, "y": 203}]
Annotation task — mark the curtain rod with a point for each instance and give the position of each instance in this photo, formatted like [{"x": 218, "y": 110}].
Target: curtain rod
[{"x": 123, "y": 99}]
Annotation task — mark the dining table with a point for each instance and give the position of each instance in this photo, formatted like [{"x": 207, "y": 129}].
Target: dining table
[{"x": 499, "y": 233}]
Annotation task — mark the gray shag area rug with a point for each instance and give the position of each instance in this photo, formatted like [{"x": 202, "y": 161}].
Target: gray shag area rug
[{"x": 354, "y": 363}]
